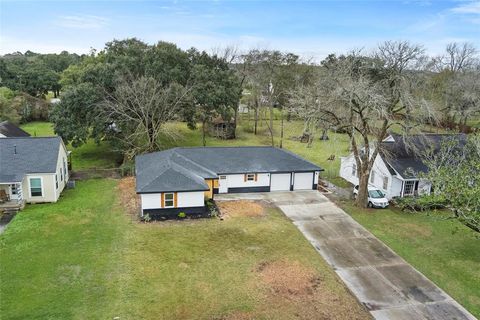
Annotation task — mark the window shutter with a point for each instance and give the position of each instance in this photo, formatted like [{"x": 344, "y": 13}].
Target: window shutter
[
  {"x": 175, "y": 197},
  {"x": 245, "y": 177},
  {"x": 162, "y": 200},
  {"x": 256, "y": 176}
]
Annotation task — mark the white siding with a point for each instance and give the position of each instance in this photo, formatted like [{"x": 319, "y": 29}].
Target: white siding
[
  {"x": 280, "y": 182},
  {"x": 151, "y": 200},
  {"x": 303, "y": 181},
  {"x": 190, "y": 199},
  {"x": 184, "y": 200},
  {"x": 237, "y": 181},
  {"x": 395, "y": 188},
  {"x": 346, "y": 166}
]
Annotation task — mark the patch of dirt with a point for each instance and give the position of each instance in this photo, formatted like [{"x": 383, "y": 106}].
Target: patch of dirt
[
  {"x": 129, "y": 199},
  {"x": 288, "y": 279},
  {"x": 240, "y": 208},
  {"x": 292, "y": 288}
]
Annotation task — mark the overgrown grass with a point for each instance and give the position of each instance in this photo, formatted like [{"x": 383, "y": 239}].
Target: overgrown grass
[
  {"x": 444, "y": 250},
  {"x": 89, "y": 155},
  {"x": 84, "y": 258}
]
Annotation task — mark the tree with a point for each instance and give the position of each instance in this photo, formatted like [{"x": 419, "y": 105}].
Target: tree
[
  {"x": 216, "y": 89},
  {"x": 367, "y": 95},
  {"x": 270, "y": 75},
  {"x": 454, "y": 171},
  {"x": 139, "y": 109}
]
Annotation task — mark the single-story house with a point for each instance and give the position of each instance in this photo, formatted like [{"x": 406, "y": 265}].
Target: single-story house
[
  {"x": 8, "y": 129},
  {"x": 32, "y": 170},
  {"x": 181, "y": 179},
  {"x": 398, "y": 164}
]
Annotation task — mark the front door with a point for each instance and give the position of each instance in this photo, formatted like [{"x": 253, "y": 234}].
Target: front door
[{"x": 222, "y": 184}]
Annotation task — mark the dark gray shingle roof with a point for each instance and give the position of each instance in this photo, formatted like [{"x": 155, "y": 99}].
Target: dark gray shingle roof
[
  {"x": 184, "y": 169},
  {"x": 404, "y": 154},
  {"x": 19, "y": 156},
  {"x": 8, "y": 129}
]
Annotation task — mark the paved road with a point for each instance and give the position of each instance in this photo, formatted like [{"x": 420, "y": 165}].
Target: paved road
[{"x": 387, "y": 285}]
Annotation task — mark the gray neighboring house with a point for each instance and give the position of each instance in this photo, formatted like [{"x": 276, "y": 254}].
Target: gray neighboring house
[
  {"x": 8, "y": 129},
  {"x": 32, "y": 170},
  {"x": 182, "y": 179}
]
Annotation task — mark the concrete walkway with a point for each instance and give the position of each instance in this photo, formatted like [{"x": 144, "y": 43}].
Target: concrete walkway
[{"x": 383, "y": 282}]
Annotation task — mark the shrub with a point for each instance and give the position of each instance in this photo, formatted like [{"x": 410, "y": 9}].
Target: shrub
[
  {"x": 147, "y": 218},
  {"x": 182, "y": 215},
  {"x": 422, "y": 203}
]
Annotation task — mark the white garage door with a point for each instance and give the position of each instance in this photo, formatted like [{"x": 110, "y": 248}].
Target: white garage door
[
  {"x": 280, "y": 182},
  {"x": 303, "y": 181}
]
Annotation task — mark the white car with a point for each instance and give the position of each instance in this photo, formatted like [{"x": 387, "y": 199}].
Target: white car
[{"x": 376, "y": 198}]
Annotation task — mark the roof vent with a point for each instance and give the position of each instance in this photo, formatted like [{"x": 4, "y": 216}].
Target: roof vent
[{"x": 15, "y": 149}]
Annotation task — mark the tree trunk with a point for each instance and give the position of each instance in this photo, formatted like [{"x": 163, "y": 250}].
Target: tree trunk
[
  {"x": 281, "y": 133},
  {"x": 204, "y": 141},
  {"x": 256, "y": 117},
  {"x": 271, "y": 120},
  {"x": 362, "y": 196},
  {"x": 235, "y": 115}
]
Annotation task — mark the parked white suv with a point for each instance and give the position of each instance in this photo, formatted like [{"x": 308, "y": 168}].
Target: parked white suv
[{"x": 376, "y": 198}]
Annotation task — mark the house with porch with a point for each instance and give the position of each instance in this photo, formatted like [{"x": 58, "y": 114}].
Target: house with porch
[
  {"x": 181, "y": 179},
  {"x": 398, "y": 164},
  {"x": 32, "y": 170}
]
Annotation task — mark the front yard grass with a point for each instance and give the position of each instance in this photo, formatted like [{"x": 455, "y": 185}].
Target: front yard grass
[
  {"x": 85, "y": 258},
  {"x": 445, "y": 251},
  {"x": 87, "y": 156}
]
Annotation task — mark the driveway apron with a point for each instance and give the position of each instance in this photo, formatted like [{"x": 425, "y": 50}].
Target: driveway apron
[{"x": 382, "y": 281}]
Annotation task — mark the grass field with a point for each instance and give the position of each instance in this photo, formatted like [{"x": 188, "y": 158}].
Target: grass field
[
  {"x": 84, "y": 258},
  {"x": 89, "y": 155},
  {"x": 446, "y": 251}
]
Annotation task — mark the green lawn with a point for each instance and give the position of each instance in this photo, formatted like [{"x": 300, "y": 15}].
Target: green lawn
[
  {"x": 89, "y": 155},
  {"x": 447, "y": 252},
  {"x": 84, "y": 258}
]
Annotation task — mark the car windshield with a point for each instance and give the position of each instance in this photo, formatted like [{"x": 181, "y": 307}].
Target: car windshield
[{"x": 375, "y": 194}]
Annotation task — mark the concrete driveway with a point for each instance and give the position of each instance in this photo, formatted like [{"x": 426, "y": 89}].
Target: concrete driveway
[{"x": 383, "y": 282}]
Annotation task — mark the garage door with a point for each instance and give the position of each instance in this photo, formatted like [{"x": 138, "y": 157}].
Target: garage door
[
  {"x": 303, "y": 181},
  {"x": 280, "y": 182}
]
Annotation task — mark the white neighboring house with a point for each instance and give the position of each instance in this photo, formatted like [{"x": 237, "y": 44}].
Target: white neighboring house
[
  {"x": 395, "y": 170},
  {"x": 32, "y": 170}
]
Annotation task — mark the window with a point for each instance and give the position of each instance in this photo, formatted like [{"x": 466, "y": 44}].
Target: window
[
  {"x": 61, "y": 175},
  {"x": 14, "y": 189},
  {"x": 223, "y": 177},
  {"x": 354, "y": 170},
  {"x": 409, "y": 188},
  {"x": 36, "y": 187},
  {"x": 56, "y": 181},
  {"x": 168, "y": 200},
  {"x": 64, "y": 168},
  {"x": 372, "y": 177},
  {"x": 385, "y": 183},
  {"x": 251, "y": 177}
]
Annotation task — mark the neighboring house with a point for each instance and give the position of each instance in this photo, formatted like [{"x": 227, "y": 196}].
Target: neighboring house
[
  {"x": 32, "y": 170},
  {"x": 181, "y": 179},
  {"x": 8, "y": 129},
  {"x": 396, "y": 168}
]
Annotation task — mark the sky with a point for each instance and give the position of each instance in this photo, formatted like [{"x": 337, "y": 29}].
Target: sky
[{"x": 312, "y": 29}]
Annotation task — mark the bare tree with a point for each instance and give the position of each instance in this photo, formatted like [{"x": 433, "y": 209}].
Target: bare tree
[
  {"x": 138, "y": 111},
  {"x": 368, "y": 94},
  {"x": 459, "y": 56}
]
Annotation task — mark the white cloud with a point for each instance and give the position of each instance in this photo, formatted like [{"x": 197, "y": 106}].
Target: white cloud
[
  {"x": 472, "y": 7},
  {"x": 82, "y": 22}
]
